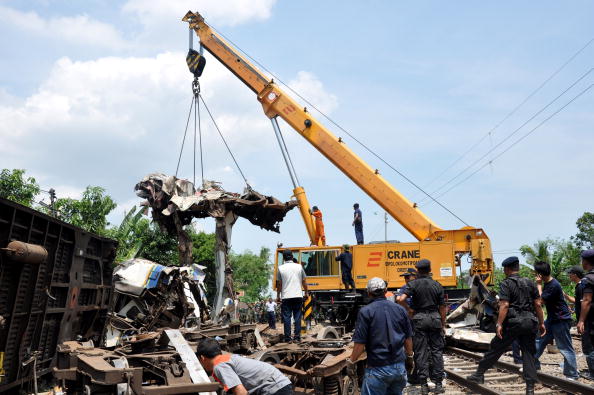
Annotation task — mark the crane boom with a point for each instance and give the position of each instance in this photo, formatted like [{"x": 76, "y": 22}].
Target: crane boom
[{"x": 276, "y": 103}]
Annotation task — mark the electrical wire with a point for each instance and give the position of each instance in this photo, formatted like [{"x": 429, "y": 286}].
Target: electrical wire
[
  {"x": 511, "y": 134},
  {"x": 517, "y": 141},
  {"x": 340, "y": 127},
  {"x": 224, "y": 141},
  {"x": 512, "y": 112}
]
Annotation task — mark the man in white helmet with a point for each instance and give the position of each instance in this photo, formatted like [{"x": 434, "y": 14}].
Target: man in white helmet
[{"x": 383, "y": 330}]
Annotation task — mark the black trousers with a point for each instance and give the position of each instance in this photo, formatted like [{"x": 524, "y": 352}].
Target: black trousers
[
  {"x": 498, "y": 346},
  {"x": 428, "y": 347}
]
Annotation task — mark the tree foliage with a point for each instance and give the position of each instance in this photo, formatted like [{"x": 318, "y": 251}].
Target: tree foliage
[
  {"x": 90, "y": 212},
  {"x": 585, "y": 236},
  {"x": 560, "y": 254},
  {"x": 18, "y": 188},
  {"x": 251, "y": 273},
  {"x": 129, "y": 234}
]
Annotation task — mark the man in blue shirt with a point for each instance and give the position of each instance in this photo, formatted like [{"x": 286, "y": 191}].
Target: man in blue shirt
[
  {"x": 558, "y": 320},
  {"x": 383, "y": 330},
  {"x": 358, "y": 223}
]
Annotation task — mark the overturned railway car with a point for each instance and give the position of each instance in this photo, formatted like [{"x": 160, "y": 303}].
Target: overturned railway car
[{"x": 55, "y": 286}]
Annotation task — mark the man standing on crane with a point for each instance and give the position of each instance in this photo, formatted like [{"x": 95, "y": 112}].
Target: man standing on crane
[
  {"x": 346, "y": 267},
  {"x": 358, "y": 223},
  {"x": 320, "y": 235}
]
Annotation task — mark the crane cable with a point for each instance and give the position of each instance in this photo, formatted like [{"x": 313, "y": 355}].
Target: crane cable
[
  {"x": 197, "y": 97},
  {"x": 424, "y": 202},
  {"x": 224, "y": 141},
  {"x": 341, "y": 128}
]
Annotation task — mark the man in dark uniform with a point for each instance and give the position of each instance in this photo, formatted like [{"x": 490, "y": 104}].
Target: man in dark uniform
[
  {"x": 346, "y": 267},
  {"x": 520, "y": 317},
  {"x": 384, "y": 332},
  {"x": 428, "y": 316},
  {"x": 576, "y": 275},
  {"x": 585, "y": 324}
]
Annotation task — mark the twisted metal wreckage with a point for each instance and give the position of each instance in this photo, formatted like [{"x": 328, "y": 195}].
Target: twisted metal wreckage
[
  {"x": 175, "y": 202},
  {"x": 158, "y": 313}
]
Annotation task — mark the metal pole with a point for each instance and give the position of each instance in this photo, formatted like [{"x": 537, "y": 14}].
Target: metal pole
[
  {"x": 191, "y": 38},
  {"x": 386, "y": 226},
  {"x": 277, "y": 133}
]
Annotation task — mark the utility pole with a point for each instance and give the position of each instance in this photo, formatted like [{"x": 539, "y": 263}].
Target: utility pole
[{"x": 386, "y": 226}]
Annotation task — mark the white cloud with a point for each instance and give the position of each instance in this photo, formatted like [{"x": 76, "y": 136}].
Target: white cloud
[
  {"x": 311, "y": 88},
  {"x": 228, "y": 12},
  {"x": 79, "y": 29}
]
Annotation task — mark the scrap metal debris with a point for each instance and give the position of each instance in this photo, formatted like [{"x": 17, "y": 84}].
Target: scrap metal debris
[
  {"x": 472, "y": 324},
  {"x": 149, "y": 296},
  {"x": 175, "y": 202}
]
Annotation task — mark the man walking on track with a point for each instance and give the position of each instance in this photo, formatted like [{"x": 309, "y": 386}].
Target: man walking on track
[{"x": 520, "y": 317}]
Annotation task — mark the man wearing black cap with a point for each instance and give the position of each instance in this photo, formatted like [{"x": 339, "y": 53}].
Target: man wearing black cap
[
  {"x": 520, "y": 317},
  {"x": 585, "y": 324},
  {"x": 289, "y": 281},
  {"x": 576, "y": 275},
  {"x": 409, "y": 275},
  {"x": 429, "y": 311}
]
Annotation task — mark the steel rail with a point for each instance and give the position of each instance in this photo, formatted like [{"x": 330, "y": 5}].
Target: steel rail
[
  {"x": 574, "y": 387},
  {"x": 475, "y": 387}
]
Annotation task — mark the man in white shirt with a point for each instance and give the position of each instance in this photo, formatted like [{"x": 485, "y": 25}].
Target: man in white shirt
[
  {"x": 289, "y": 281},
  {"x": 271, "y": 312}
]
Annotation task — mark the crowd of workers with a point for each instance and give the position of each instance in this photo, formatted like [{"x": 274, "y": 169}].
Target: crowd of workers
[{"x": 403, "y": 334}]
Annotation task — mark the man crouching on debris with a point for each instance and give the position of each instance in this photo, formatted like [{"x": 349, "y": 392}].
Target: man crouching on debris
[
  {"x": 239, "y": 375},
  {"x": 384, "y": 331},
  {"x": 520, "y": 317}
]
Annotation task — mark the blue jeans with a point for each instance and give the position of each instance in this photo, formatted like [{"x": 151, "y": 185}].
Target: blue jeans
[
  {"x": 385, "y": 380},
  {"x": 291, "y": 307},
  {"x": 560, "y": 332}
]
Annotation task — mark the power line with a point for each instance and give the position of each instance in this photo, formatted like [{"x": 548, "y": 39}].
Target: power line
[
  {"x": 511, "y": 134},
  {"x": 512, "y": 112},
  {"x": 517, "y": 141},
  {"x": 340, "y": 127}
]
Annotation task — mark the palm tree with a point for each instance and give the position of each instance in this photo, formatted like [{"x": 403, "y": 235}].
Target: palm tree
[{"x": 539, "y": 251}]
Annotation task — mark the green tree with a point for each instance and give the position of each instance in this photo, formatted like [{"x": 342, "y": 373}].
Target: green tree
[
  {"x": 539, "y": 251},
  {"x": 560, "y": 254},
  {"x": 90, "y": 212},
  {"x": 158, "y": 246},
  {"x": 251, "y": 273},
  {"x": 585, "y": 236},
  {"x": 18, "y": 188},
  {"x": 129, "y": 235}
]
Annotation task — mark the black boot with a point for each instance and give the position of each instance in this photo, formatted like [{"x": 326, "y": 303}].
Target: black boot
[
  {"x": 476, "y": 377},
  {"x": 439, "y": 388},
  {"x": 424, "y": 389},
  {"x": 529, "y": 388}
]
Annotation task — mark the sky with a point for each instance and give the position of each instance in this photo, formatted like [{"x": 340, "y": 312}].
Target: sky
[{"x": 97, "y": 92}]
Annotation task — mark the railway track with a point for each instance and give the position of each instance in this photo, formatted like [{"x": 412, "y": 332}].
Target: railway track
[{"x": 504, "y": 378}]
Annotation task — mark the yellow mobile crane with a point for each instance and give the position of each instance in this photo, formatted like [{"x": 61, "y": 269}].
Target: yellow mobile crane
[{"x": 444, "y": 248}]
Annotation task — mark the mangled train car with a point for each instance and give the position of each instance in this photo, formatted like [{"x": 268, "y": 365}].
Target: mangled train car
[{"x": 55, "y": 286}]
